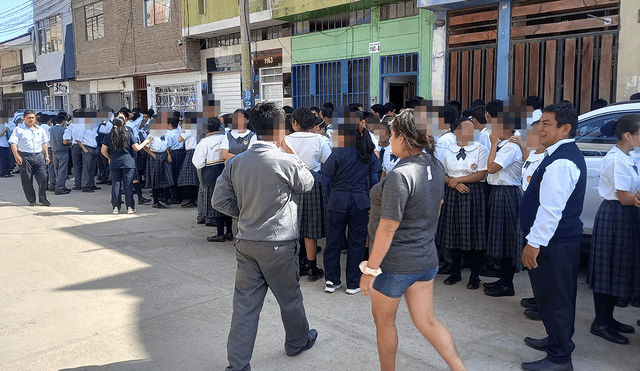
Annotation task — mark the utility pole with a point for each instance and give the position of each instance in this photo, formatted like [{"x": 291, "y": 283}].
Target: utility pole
[{"x": 245, "y": 43}]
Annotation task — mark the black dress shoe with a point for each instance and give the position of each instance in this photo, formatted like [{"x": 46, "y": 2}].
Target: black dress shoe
[
  {"x": 453, "y": 279},
  {"x": 445, "y": 269},
  {"x": 621, "y": 327},
  {"x": 101, "y": 181},
  {"x": 159, "y": 206},
  {"x": 210, "y": 224},
  {"x": 63, "y": 192},
  {"x": 45, "y": 202},
  {"x": 189, "y": 205},
  {"x": 68, "y": 189},
  {"x": 142, "y": 200},
  {"x": 546, "y": 365},
  {"x": 228, "y": 236},
  {"x": 311, "y": 339},
  {"x": 501, "y": 290},
  {"x": 537, "y": 344},
  {"x": 529, "y": 303},
  {"x": 608, "y": 333},
  {"x": 622, "y": 302},
  {"x": 474, "y": 283},
  {"x": 199, "y": 221},
  {"x": 95, "y": 188},
  {"x": 533, "y": 314},
  {"x": 77, "y": 188},
  {"x": 490, "y": 285},
  {"x": 85, "y": 189},
  {"x": 216, "y": 238}
]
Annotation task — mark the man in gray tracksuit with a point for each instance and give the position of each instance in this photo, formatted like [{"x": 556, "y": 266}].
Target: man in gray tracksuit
[{"x": 267, "y": 241}]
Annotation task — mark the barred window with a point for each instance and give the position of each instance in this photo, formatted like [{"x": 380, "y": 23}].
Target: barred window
[
  {"x": 333, "y": 21},
  {"x": 94, "y": 20},
  {"x": 50, "y": 34},
  {"x": 156, "y": 12},
  {"x": 406, "y": 8}
]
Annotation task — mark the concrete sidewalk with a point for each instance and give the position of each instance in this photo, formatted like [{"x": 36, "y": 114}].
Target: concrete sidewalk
[{"x": 83, "y": 289}]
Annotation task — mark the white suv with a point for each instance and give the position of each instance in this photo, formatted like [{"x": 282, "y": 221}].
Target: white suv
[{"x": 594, "y": 146}]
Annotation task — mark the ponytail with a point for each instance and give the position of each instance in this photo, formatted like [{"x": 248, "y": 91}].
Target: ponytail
[{"x": 119, "y": 135}]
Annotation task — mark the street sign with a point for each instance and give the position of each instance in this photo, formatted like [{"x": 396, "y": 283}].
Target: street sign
[{"x": 374, "y": 47}]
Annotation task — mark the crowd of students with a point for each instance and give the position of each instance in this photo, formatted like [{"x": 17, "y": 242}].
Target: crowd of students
[{"x": 487, "y": 165}]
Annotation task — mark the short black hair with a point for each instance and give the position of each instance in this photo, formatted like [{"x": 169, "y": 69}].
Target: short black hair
[
  {"x": 353, "y": 107},
  {"x": 457, "y": 123},
  {"x": 477, "y": 103},
  {"x": 328, "y": 105},
  {"x": 378, "y": 108},
  {"x": 264, "y": 117},
  {"x": 243, "y": 112},
  {"x": 214, "y": 124},
  {"x": 287, "y": 109},
  {"x": 598, "y": 103},
  {"x": 494, "y": 107},
  {"x": 478, "y": 114},
  {"x": 60, "y": 118},
  {"x": 303, "y": 117},
  {"x": 326, "y": 112},
  {"x": 535, "y": 102},
  {"x": 456, "y": 107},
  {"x": 389, "y": 107},
  {"x": 413, "y": 102},
  {"x": 565, "y": 113},
  {"x": 315, "y": 109}
]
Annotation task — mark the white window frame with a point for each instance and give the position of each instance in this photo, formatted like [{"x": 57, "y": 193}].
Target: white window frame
[
  {"x": 150, "y": 18},
  {"x": 96, "y": 21},
  {"x": 45, "y": 28},
  {"x": 267, "y": 71}
]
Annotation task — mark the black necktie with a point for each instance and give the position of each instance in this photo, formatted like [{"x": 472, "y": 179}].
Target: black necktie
[
  {"x": 526, "y": 164},
  {"x": 393, "y": 157},
  {"x": 461, "y": 154},
  {"x": 382, "y": 155},
  {"x": 635, "y": 168}
]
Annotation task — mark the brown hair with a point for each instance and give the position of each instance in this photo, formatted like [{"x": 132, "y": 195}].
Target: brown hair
[{"x": 405, "y": 124}]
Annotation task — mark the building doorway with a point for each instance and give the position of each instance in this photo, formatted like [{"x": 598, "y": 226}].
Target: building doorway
[{"x": 397, "y": 89}]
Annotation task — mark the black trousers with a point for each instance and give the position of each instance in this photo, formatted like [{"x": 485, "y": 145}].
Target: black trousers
[
  {"x": 555, "y": 284},
  {"x": 6, "y": 159},
  {"x": 76, "y": 158},
  {"x": 33, "y": 166}
]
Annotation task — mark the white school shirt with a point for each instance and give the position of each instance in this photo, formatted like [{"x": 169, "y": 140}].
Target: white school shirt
[
  {"x": 483, "y": 138},
  {"x": 558, "y": 183},
  {"x": 74, "y": 132},
  {"x": 190, "y": 140},
  {"x": 4, "y": 139},
  {"x": 158, "y": 144},
  {"x": 509, "y": 156},
  {"x": 530, "y": 166},
  {"x": 443, "y": 143},
  {"x": 208, "y": 151},
  {"x": 387, "y": 163},
  {"x": 29, "y": 140},
  {"x": 89, "y": 138},
  {"x": 474, "y": 161},
  {"x": 106, "y": 128},
  {"x": 619, "y": 172},
  {"x": 236, "y": 134},
  {"x": 313, "y": 149}
]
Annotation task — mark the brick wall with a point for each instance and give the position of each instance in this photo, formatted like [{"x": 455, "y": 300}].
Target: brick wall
[{"x": 128, "y": 48}]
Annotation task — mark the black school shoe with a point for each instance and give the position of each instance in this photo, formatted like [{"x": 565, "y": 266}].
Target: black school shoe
[
  {"x": 501, "y": 290},
  {"x": 529, "y": 303},
  {"x": 445, "y": 269},
  {"x": 537, "y": 344},
  {"x": 474, "y": 283},
  {"x": 623, "y": 302},
  {"x": 621, "y": 327},
  {"x": 142, "y": 200},
  {"x": 608, "y": 333},
  {"x": 546, "y": 365},
  {"x": 159, "y": 206},
  {"x": 228, "y": 236},
  {"x": 315, "y": 274},
  {"x": 533, "y": 314},
  {"x": 311, "y": 339},
  {"x": 491, "y": 285},
  {"x": 216, "y": 238},
  {"x": 453, "y": 279}
]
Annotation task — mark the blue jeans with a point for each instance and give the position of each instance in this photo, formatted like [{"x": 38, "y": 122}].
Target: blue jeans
[{"x": 122, "y": 178}]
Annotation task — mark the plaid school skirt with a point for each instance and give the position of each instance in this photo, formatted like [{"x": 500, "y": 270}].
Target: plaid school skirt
[
  {"x": 312, "y": 213},
  {"x": 177, "y": 159},
  {"x": 503, "y": 240},
  {"x": 462, "y": 222},
  {"x": 614, "y": 267},
  {"x": 159, "y": 171},
  {"x": 188, "y": 173}
]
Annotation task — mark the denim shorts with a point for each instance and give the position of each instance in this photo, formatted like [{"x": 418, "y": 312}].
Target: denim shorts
[{"x": 394, "y": 285}]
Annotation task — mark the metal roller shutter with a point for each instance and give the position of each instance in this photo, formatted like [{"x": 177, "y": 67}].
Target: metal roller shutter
[{"x": 226, "y": 89}]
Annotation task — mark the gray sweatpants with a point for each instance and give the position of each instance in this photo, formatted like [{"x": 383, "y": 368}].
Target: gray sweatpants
[{"x": 262, "y": 265}]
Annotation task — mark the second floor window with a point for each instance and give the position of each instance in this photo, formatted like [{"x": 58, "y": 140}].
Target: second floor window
[
  {"x": 94, "y": 20},
  {"x": 50, "y": 34},
  {"x": 156, "y": 12}
]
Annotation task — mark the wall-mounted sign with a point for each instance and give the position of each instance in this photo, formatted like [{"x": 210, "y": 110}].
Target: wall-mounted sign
[
  {"x": 374, "y": 47},
  {"x": 60, "y": 88}
]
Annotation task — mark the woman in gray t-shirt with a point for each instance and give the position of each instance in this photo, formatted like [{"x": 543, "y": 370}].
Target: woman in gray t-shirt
[{"x": 403, "y": 260}]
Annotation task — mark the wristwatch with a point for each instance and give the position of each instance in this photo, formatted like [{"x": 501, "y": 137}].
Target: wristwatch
[{"x": 364, "y": 268}]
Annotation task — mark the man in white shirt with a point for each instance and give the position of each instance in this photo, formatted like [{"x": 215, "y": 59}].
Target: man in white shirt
[
  {"x": 73, "y": 133},
  {"x": 550, "y": 219},
  {"x": 89, "y": 146},
  {"x": 6, "y": 157}
]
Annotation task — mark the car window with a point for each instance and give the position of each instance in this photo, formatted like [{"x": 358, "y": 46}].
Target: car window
[{"x": 589, "y": 139}]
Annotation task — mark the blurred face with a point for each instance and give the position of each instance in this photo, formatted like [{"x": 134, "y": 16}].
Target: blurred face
[
  {"x": 532, "y": 141},
  {"x": 238, "y": 121},
  {"x": 464, "y": 133},
  {"x": 549, "y": 131},
  {"x": 381, "y": 132},
  {"x": 30, "y": 120}
]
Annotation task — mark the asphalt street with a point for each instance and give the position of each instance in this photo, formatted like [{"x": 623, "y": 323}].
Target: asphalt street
[{"x": 83, "y": 289}]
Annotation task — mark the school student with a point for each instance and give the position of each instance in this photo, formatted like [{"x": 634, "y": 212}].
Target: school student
[
  {"x": 74, "y": 133},
  {"x": 188, "y": 177},
  {"x": 615, "y": 240},
  {"x": 207, "y": 158},
  {"x": 60, "y": 151},
  {"x": 240, "y": 137},
  {"x": 313, "y": 149},
  {"x": 89, "y": 147},
  {"x": 504, "y": 166},
  {"x": 387, "y": 159},
  {"x": 159, "y": 170},
  {"x": 176, "y": 147},
  {"x": 462, "y": 223},
  {"x": 104, "y": 173},
  {"x": 6, "y": 157},
  {"x": 118, "y": 147},
  {"x": 354, "y": 169}
]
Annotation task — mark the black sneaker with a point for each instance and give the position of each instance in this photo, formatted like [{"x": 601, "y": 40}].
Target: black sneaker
[
  {"x": 315, "y": 274},
  {"x": 159, "y": 206},
  {"x": 142, "y": 200}
]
